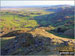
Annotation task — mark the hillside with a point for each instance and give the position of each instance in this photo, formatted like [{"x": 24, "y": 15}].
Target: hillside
[
  {"x": 57, "y": 18},
  {"x": 32, "y": 42},
  {"x": 37, "y": 30},
  {"x": 62, "y": 21}
]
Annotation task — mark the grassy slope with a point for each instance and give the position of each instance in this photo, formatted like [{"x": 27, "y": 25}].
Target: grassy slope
[
  {"x": 63, "y": 19},
  {"x": 46, "y": 34},
  {"x": 56, "y": 19},
  {"x": 18, "y": 21},
  {"x": 20, "y": 18}
]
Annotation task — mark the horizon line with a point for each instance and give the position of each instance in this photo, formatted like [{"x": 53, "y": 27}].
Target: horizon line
[{"x": 38, "y": 5}]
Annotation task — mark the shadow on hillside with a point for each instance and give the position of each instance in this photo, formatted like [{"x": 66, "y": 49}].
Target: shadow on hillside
[
  {"x": 60, "y": 34},
  {"x": 13, "y": 33},
  {"x": 43, "y": 20},
  {"x": 55, "y": 19},
  {"x": 22, "y": 40}
]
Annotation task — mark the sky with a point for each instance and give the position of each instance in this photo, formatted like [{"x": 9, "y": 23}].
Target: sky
[{"x": 30, "y": 3}]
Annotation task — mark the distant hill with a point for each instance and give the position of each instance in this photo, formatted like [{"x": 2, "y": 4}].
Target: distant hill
[{"x": 58, "y": 18}]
